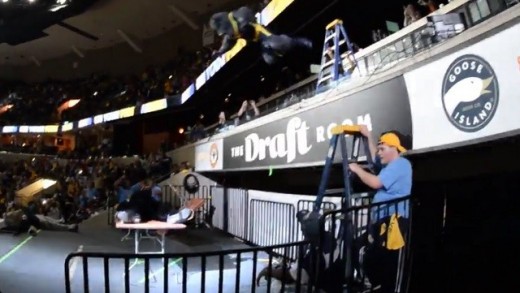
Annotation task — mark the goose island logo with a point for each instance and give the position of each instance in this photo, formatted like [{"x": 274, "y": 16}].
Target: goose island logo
[{"x": 470, "y": 93}]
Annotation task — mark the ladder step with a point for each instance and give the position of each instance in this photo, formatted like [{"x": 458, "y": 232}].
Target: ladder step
[
  {"x": 329, "y": 63},
  {"x": 329, "y": 37},
  {"x": 332, "y": 48},
  {"x": 325, "y": 78}
]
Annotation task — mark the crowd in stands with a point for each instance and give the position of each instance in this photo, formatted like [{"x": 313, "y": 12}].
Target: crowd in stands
[
  {"x": 38, "y": 103},
  {"x": 98, "y": 94},
  {"x": 82, "y": 187}
]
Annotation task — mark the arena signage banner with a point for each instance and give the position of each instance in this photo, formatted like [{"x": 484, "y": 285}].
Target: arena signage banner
[
  {"x": 468, "y": 95},
  {"x": 208, "y": 156},
  {"x": 303, "y": 139},
  {"x": 272, "y": 10}
]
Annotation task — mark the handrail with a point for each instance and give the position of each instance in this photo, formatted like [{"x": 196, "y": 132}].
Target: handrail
[
  {"x": 371, "y": 205},
  {"x": 409, "y": 29},
  {"x": 273, "y": 97}
]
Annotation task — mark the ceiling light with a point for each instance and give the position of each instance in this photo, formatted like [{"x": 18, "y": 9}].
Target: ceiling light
[
  {"x": 5, "y": 1},
  {"x": 61, "y": 2},
  {"x": 31, "y": 1}
]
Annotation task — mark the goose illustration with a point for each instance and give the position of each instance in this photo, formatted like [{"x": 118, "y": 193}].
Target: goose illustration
[{"x": 466, "y": 90}]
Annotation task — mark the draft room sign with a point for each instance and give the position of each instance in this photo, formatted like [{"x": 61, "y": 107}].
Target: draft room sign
[{"x": 303, "y": 139}]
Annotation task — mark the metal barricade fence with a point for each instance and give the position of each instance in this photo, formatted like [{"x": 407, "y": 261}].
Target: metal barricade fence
[
  {"x": 168, "y": 196},
  {"x": 271, "y": 223},
  {"x": 217, "y": 197},
  {"x": 238, "y": 213},
  {"x": 178, "y": 196},
  {"x": 373, "y": 241},
  {"x": 199, "y": 272}
]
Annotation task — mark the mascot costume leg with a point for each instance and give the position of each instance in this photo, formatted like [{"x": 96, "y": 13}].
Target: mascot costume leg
[{"x": 241, "y": 24}]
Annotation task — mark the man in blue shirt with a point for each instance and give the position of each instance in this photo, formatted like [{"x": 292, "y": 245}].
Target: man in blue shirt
[
  {"x": 395, "y": 178},
  {"x": 381, "y": 261}
]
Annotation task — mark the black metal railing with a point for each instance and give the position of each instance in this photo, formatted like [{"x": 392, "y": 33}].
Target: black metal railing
[
  {"x": 359, "y": 249},
  {"x": 370, "y": 252},
  {"x": 240, "y": 278}
]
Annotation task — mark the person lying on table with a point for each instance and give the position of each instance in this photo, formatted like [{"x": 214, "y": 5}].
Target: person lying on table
[{"x": 143, "y": 206}]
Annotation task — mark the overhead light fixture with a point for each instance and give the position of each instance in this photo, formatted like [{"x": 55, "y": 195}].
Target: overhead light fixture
[
  {"x": 73, "y": 102},
  {"x": 5, "y": 1},
  {"x": 129, "y": 41},
  {"x": 184, "y": 17},
  {"x": 57, "y": 7}
]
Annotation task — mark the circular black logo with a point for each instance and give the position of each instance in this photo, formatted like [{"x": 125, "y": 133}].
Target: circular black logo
[{"x": 470, "y": 93}]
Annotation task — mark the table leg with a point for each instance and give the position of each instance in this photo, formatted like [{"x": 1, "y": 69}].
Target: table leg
[
  {"x": 136, "y": 247},
  {"x": 137, "y": 241},
  {"x": 127, "y": 236}
]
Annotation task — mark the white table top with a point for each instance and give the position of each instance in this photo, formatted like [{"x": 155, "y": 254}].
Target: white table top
[{"x": 151, "y": 225}]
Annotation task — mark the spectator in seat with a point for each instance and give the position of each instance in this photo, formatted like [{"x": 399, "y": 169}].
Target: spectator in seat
[
  {"x": 92, "y": 192},
  {"x": 222, "y": 122},
  {"x": 198, "y": 132},
  {"x": 122, "y": 186},
  {"x": 411, "y": 14},
  {"x": 247, "y": 112},
  {"x": 429, "y": 6}
]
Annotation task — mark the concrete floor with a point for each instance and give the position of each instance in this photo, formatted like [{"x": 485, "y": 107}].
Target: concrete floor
[{"x": 36, "y": 264}]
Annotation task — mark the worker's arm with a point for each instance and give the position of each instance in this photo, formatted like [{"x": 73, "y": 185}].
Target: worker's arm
[
  {"x": 371, "y": 144},
  {"x": 369, "y": 179}
]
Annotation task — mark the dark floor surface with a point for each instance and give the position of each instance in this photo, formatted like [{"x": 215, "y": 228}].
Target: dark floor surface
[{"x": 36, "y": 264}]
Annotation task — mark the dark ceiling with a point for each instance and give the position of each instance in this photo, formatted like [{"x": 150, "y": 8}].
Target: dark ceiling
[{"x": 24, "y": 20}]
